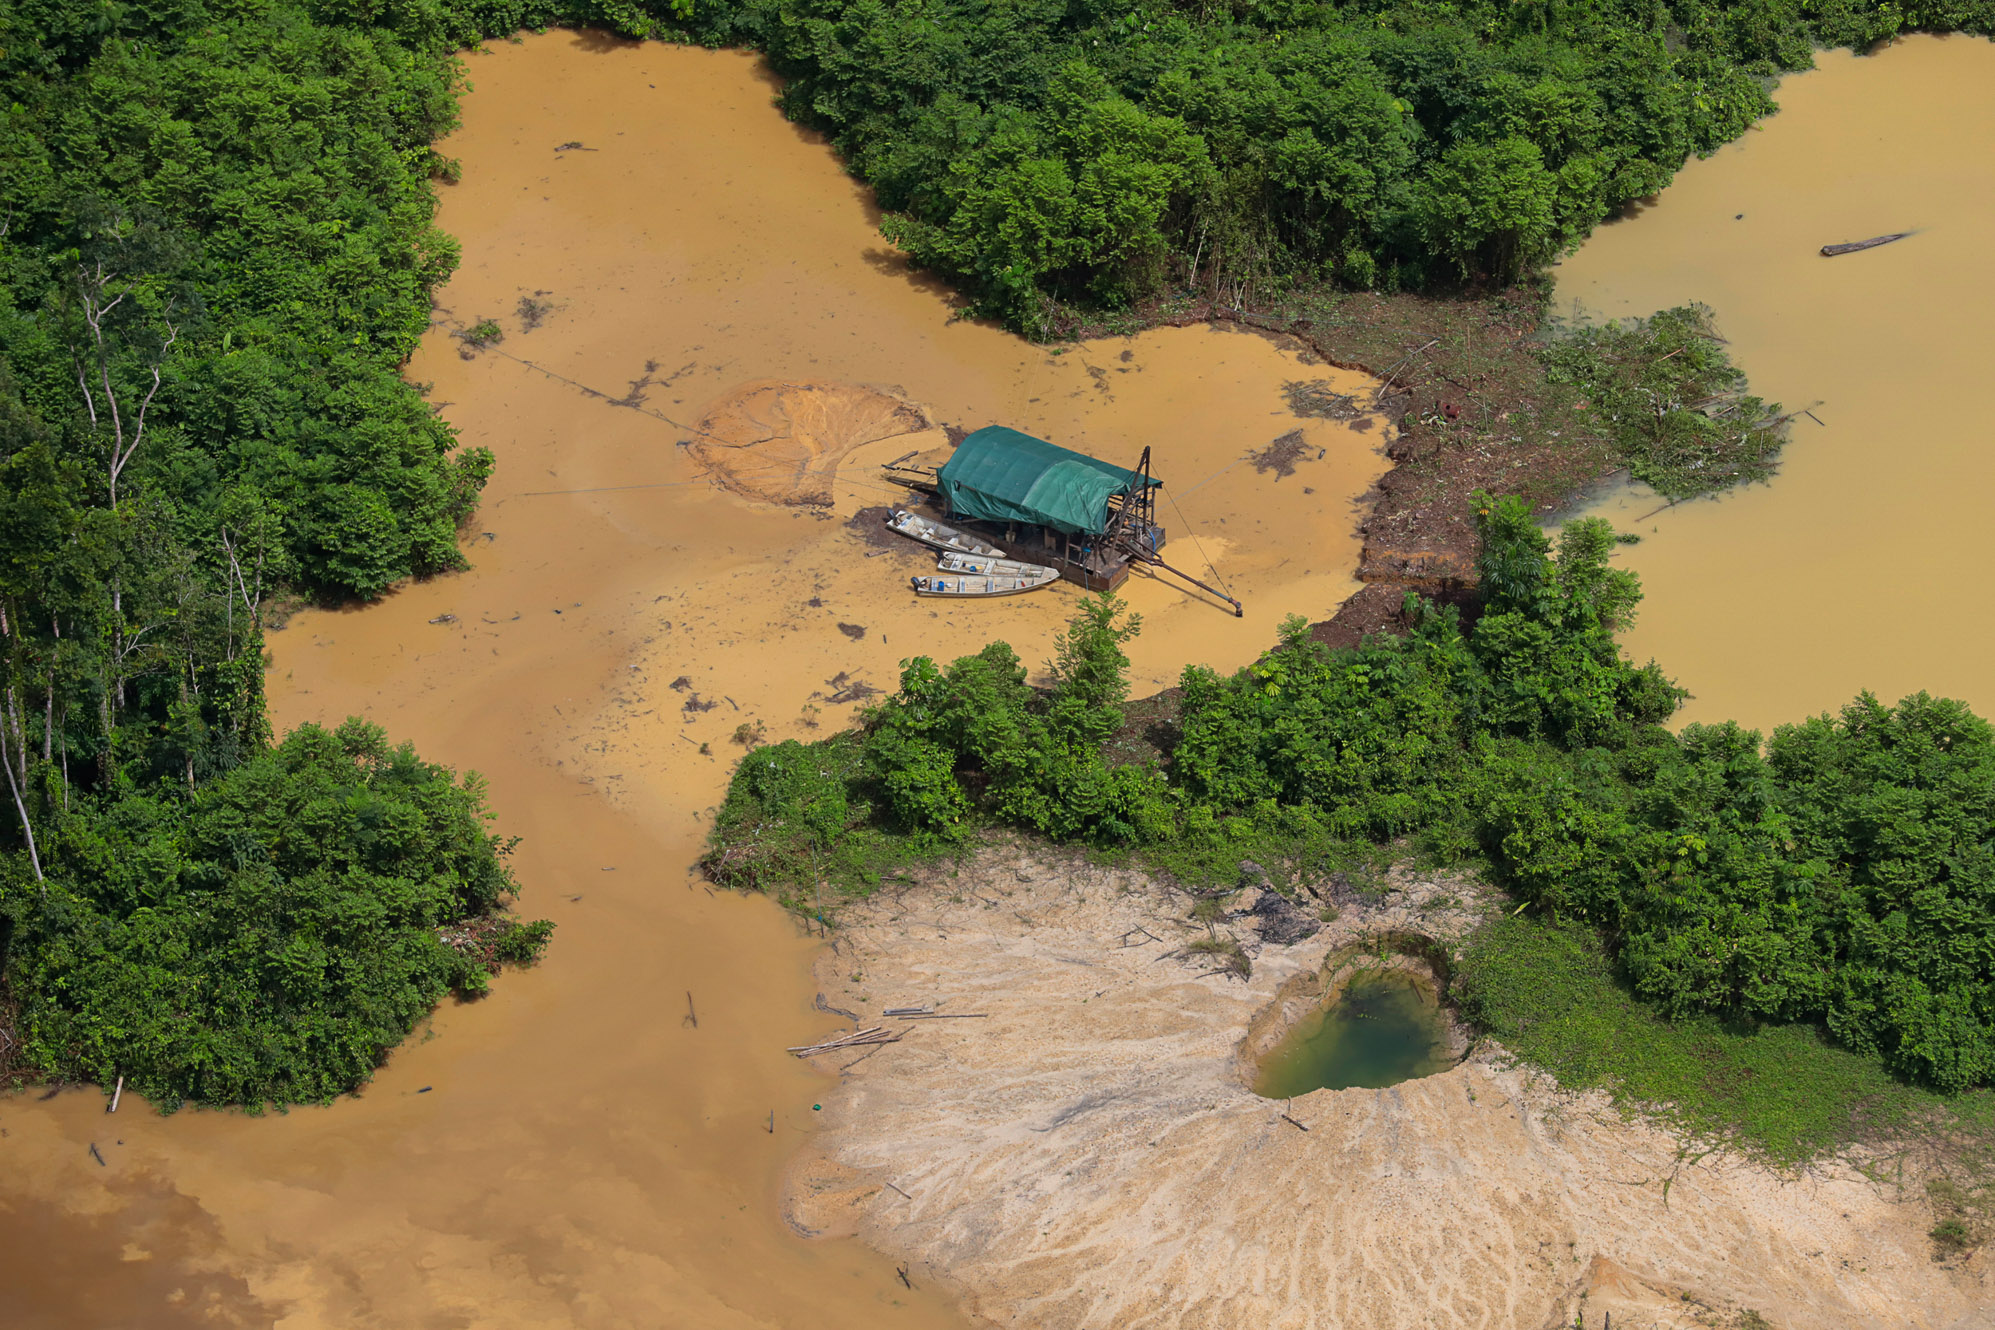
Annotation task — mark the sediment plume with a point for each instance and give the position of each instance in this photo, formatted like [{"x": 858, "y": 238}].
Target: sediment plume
[{"x": 781, "y": 441}]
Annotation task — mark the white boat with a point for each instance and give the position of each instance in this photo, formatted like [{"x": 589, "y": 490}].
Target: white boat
[
  {"x": 982, "y": 563},
  {"x": 945, "y": 538},
  {"x": 984, "y": 584}
]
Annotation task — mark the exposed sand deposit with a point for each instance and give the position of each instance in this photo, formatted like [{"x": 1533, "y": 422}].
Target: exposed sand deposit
[
  {"x": 1088, "y": 1153},
  {"x": 782, "y": 442}
]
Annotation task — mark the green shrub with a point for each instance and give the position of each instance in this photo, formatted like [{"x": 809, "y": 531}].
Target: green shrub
[
  {"x": 1682, "y": 418},
  {"x": 522, "y": 943},
  {"x": 266, "y": 939},
  {"x": 1836, "y": 877}
]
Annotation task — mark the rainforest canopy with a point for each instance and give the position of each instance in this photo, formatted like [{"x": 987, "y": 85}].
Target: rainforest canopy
[{"x": 1000, "y": 475}]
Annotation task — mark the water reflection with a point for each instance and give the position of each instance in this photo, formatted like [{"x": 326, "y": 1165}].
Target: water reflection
[{"x": 1384, "y": 1028}]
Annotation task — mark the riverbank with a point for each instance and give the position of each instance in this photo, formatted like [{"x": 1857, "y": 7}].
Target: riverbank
[{"x": 1087, "y": 1152}]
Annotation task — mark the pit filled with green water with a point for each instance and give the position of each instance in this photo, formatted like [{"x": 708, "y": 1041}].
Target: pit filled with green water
[{"x": 1384, "y": 1028}]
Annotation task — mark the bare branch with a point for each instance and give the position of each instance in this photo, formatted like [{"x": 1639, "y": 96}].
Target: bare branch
[
  {"x": 14, "y": 788},
  {"x": 138, "y": 429},
  {"x": 94, "y": 287}
]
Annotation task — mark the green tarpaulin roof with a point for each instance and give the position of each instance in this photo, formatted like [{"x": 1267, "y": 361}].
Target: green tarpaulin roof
[{"x": 1000, "y": 475}]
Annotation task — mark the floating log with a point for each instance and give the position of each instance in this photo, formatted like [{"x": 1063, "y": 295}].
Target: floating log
[{"x": 1830, "y": 251}]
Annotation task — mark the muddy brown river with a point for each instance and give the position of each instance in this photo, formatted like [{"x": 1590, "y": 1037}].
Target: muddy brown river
[
  {"x": 600, "y": 1142},
  {"x": 575, "y": 1150},
  {"x": 1862, "y": 564}
]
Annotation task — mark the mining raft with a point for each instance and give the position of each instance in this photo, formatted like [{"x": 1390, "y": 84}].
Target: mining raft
[{"x": 1091, "y": 520}]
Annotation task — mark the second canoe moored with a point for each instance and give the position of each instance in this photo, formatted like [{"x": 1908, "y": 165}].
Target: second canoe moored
[{"x": 985, "y": 584}]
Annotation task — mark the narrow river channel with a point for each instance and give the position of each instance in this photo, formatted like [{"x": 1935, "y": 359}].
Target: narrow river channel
[{"x": 1864, "y": 563}]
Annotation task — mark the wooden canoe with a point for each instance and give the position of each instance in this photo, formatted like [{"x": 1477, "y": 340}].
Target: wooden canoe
[
  {"x": 945, "y": 538},
  {"x": 1830, "y": 251},
  {"x": 978, "y": 585},
  {"x": 953, "y": 562}
]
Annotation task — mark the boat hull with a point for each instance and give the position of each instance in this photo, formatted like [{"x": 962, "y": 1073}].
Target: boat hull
[
  {"x": 981, "y": 586},
  {"x": 945, "y": 538},
  {"x": 953, "y": 562}
]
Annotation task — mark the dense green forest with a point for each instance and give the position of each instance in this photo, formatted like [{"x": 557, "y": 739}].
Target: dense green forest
[
  {"x": 1106, "y": 151},
  {"x": 216, "y": 252},
  {"x": 1841, "y": 871},
  {"x": 217, "y": 249}
]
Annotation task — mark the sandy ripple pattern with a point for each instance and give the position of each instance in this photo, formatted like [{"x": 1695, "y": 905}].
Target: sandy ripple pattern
[
  {"x": 780, "y": 441},
  {"x": 1089, "y": 1154}
]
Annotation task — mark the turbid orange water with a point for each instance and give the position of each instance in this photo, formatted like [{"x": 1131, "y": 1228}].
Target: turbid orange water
[
  {"x": 1863, "y": 564},
  {"x": 575, "y": 1150},
  {"x": 599, "y": 1142}
]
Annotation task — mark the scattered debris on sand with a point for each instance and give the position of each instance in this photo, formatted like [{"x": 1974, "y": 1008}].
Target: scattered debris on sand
[{"x": 1091, "y": 1155}]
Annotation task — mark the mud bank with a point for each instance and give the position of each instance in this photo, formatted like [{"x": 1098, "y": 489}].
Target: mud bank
[{"x": 1088, "y": 1153}]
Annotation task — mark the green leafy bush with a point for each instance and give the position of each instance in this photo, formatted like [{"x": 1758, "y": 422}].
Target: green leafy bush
[
  {"x": 1105, "y": 151},
  {"x": 264, "y": 940},
  {"x": 1550, "y": 992},
  {"x": 263, "y": 183},
  {"x": 1682, "y": 418},
  {"x": 1841, "y": 875}
]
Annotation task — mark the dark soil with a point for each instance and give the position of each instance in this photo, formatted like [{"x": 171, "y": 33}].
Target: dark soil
[
  {"x": 1281, "y": 456},
  {"x": 1149, "y": 730},
  {"x": 1463, "y": 384}
]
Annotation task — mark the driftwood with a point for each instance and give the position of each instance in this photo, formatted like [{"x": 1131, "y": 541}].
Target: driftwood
[
  {"x": 872, "y": 1034},
  {"x": 824, "y": 1006},
  {"x": 946, "y": 1016},
  {"x": 1830, "y": 251}
]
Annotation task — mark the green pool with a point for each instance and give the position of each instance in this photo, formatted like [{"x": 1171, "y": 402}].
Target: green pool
[{"x": 1386, "y": 1027}]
